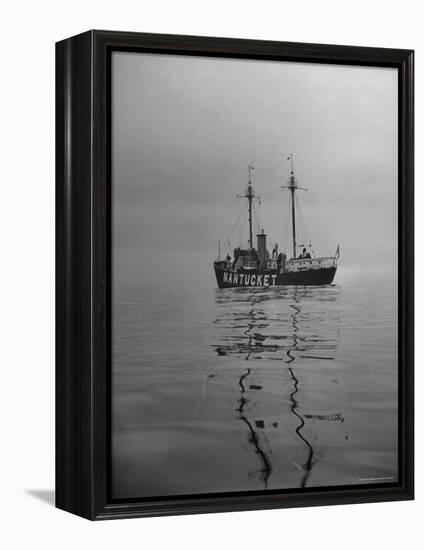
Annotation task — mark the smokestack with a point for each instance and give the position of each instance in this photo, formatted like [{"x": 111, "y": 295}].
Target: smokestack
[{"x": 261, "y": 247}]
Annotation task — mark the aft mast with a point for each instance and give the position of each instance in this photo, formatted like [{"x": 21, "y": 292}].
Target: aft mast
[
  {"x": 249, "y": 195},
  {"x": 292, "y": 186}
]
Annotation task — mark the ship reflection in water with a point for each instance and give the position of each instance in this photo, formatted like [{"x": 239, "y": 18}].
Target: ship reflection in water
[
  {"x": 253, "y": 389},
  {"x": 299, "y": 328}
]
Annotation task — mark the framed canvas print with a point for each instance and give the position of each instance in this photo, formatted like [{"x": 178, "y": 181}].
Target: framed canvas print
[{"x": 234, "y": 274}]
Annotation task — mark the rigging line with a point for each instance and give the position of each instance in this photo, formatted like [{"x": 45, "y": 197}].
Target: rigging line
[
  {"x": 284, "y": 226},
  {"x": 287, "y": 220},
  {"x": 241, "y": 228},
  {"x": 289, "y": 228},
  {"x": 305, "y": 227},
  {"x": 235, "y": 225},
  {"x": 300, "y": 218},
  {"x": 257, "y": 218},
  {"x": 306, "y": 240},
  {"x": 308, "y": 236}
]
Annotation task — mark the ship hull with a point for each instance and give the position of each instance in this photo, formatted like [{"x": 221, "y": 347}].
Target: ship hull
[{"x": 253, "y": 278}]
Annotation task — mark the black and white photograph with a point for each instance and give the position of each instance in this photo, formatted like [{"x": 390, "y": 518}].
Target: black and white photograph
[
  {"x": 210, "y": 320},
  {"x": 254, "y": 275}
]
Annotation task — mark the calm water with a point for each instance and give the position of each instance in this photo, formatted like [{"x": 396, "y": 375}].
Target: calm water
[{"x": 240, "y": 389}]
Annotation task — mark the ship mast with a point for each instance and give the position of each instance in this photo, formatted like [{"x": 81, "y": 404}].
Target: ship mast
[
  {"x": 292, "y": 186},
  {"x": 249, "y": 195}
]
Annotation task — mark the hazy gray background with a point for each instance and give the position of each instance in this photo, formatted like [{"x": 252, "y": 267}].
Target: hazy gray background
[{"x": 186, "y": 128}]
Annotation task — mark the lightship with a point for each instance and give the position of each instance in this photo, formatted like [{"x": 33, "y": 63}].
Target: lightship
[{"x": 256, "y": 267}]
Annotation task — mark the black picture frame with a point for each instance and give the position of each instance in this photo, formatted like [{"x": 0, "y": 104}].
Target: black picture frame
[{"x": 83, "y": 272}]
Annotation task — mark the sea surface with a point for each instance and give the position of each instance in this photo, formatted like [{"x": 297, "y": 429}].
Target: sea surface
[{"x": 252, "y": 389}]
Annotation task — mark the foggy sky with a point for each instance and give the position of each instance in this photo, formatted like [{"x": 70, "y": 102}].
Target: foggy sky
[{"x": 184, "y": 130}]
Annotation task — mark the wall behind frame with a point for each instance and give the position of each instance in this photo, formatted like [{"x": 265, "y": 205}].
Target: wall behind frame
[{"x": 27, "y": 278}]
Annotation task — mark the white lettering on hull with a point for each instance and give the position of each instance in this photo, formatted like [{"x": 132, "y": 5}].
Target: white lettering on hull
[{"x": 245, "y": 279}]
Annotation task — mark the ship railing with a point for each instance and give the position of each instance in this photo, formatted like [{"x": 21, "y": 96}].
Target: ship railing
[{"x": 302, "y": 264}]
